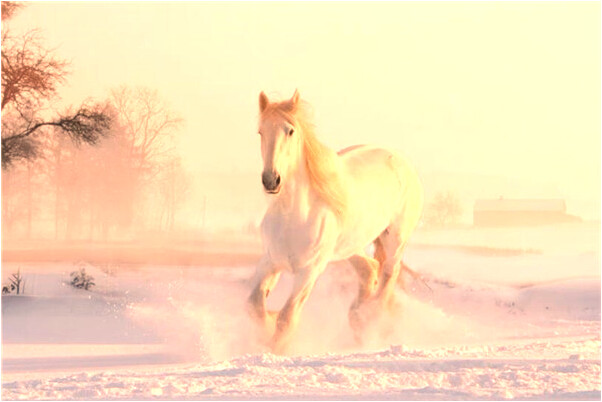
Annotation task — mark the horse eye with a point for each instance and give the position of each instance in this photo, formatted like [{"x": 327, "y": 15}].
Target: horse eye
[{"x": 292, "y": 130}]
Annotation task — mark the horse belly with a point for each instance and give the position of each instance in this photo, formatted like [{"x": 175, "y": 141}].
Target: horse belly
[{"x": 375, "y": 199}]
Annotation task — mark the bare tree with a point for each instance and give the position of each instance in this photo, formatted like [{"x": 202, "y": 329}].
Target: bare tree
[
  {"x": 99, "y": 192},
  {"x": 9, "y": 8},
  {"x": 31, "y": 75},
  {"x": 150, "y": 125},
  {"x": 93, "y": 188},
  {"x": 444, "y": 210},
  {"x": 174, "y": 186}
]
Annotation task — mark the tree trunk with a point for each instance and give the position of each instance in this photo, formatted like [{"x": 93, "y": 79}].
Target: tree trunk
[
  {"x": 29, "y": 200},
  {"x": 57, "y": 190}
]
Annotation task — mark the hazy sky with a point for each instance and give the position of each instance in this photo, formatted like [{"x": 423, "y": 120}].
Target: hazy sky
[{"x": 504, "y": 89}]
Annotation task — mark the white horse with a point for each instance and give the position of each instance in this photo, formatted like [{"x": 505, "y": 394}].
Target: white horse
[{"x": 327, "y": 206}]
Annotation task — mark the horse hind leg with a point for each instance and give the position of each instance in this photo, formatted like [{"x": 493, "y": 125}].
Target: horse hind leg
[
  {"x": 392, "y": 244},
  {"x": 368, "y": 271},
  {"x": 393, "y": 241},
  {"x": 380, "y": 256},
  {"x": 374, "y": 274}
]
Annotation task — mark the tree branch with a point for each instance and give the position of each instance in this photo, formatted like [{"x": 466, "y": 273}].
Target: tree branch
[{"x": 88, "y": 124}]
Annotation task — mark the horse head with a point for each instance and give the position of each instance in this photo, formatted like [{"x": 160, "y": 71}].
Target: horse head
[{"x": 281, "y": 143}]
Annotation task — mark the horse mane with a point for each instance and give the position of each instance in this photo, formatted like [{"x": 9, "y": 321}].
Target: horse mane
[{"x": 322, "y": 163}]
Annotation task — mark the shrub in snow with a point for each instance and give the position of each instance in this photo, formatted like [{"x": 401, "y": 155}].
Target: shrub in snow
[{"x": 81, "y": 280}]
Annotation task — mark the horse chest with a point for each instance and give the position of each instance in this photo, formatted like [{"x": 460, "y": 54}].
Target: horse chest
[{"x": 294, "y": 241}]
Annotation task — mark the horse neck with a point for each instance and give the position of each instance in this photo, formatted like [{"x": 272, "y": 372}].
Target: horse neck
[
  {"x": 297, "y": 194},
  {"x": 298, "y": 186}
]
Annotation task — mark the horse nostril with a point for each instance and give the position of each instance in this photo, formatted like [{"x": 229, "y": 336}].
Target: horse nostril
[{"x": 278, "y": 181}]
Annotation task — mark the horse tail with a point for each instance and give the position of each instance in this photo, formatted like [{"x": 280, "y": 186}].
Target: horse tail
[{"x": 413, "y": 274}]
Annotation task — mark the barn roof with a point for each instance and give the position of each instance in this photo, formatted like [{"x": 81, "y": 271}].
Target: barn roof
[{"x": 502, "y": 204}]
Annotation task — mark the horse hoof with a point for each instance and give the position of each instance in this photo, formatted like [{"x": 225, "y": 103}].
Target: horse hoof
[
  {"x": 278, "y": 346},
  {"x": 361, "y": 318}
]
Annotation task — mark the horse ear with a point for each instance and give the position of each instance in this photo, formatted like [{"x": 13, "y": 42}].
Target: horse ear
[
  {"x": 295, "y": 98},
  {"x": 263, "y": 101}
]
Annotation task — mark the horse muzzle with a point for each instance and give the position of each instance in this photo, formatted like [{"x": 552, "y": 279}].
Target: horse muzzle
[{"x": 271, "y": 182}]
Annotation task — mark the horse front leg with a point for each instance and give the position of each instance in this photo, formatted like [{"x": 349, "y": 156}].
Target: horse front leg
[
  {"x": 266, "y": 278},
  {"x": 288, "y": 318}
]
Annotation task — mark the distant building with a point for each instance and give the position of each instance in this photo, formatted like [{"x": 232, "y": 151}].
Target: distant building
[{"x": 509, "y": 212}]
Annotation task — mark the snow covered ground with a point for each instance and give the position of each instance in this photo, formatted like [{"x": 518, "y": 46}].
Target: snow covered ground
[{"x": 499, "y": 314}]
